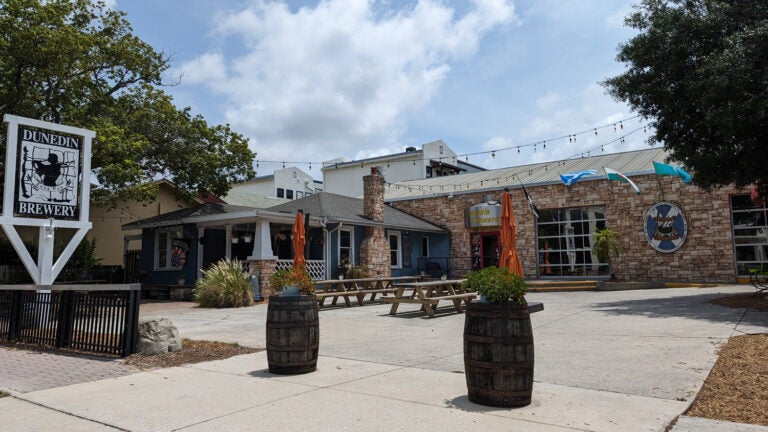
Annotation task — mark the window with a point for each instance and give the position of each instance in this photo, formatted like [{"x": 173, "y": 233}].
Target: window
[
  {"x": 565, "y": 242},
  {"x": 395, "y": 250},
  {"x": 289, "y": 193},
  {"x": 425, "y": 246},
  {"x": 429, "y": 172},
  {"x": 164, "y": 247},
  {"x": 750, "y": 234},
  {"x": 280, "y": 193},
  {"x": 346, "y": 252},
  {"x": 299, "y": 194}
]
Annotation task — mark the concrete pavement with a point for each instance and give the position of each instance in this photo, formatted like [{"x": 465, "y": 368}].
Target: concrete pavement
[{"x": 605, "y": 361}]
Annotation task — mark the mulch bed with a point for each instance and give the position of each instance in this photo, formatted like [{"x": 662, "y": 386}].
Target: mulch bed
[
  {"x": 192, "y": 351},
  {"x": 743, "y": 301},
  {"x": 736, "y": 389}
]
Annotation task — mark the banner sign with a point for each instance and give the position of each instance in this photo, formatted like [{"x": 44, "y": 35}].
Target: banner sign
[
  {"x": 665, "y": 227},
  {"x": 48, "y": 174},
  {"x": 484, "y": 215}
]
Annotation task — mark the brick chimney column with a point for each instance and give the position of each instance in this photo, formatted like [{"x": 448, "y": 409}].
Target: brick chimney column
[{"x": 374, "y": 249}]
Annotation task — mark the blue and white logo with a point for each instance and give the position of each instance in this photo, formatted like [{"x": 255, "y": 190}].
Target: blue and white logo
[{"x": 665, "y": 227}]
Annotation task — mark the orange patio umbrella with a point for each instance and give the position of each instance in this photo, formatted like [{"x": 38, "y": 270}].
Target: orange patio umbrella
[
  {"x": 298, "y": 240},
  {"x": 509, "y": 258}
]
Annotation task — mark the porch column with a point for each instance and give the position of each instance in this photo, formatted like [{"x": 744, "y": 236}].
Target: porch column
[
  {"x": 200, "y": 248},
  {"x": 228, "y": 242},
  {"x": 262, "y": 260},
  {"x": 262, "y": 242}
]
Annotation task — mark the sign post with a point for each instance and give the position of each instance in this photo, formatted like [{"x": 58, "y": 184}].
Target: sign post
[{"x": 47, "y": 185}]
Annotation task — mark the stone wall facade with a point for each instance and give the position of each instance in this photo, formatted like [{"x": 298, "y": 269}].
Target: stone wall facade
[
  {"x": 265, "y": 268},
  {"x": 374, "y": 249},
  {"x": 706, "y": 256}
]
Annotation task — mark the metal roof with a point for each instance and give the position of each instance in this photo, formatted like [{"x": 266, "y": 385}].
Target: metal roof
[
  {"x": 339, "y": 208},
  {"x": 250, "y": 199},
  {"x": 628, "y": 163}
]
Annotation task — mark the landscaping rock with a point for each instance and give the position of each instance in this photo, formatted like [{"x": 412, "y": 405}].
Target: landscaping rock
[{"x": 158, "y": 336}]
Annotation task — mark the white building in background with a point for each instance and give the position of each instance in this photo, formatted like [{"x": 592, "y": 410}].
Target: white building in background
[
  {"x": 289, "y": 183},
  {"x": 434, "y": 159}
]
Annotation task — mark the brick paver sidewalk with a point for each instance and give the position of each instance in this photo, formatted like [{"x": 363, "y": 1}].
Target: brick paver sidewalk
[{"x": 24, "y": 371}]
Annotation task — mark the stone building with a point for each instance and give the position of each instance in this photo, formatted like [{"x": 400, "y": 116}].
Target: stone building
[{"x": 670, "y": 232}]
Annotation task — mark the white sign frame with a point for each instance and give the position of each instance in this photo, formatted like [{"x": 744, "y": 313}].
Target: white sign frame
[{"x": 44, "y": 271}]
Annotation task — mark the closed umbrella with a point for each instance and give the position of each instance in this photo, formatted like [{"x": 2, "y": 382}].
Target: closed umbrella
[
  {"x": 509, "y": 258},
  {"x": 298, "y": 240}
]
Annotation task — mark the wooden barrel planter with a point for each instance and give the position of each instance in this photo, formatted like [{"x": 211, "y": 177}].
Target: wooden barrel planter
[
  {"x": 293, "y": 334},
  {"x": 498, "y": 354}
]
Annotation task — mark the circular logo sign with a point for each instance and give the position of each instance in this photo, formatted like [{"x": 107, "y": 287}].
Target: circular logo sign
[{"x": 665, "y": 227}]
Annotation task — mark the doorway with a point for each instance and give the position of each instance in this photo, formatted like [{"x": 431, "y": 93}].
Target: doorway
[{"x": 485, "y": 249}]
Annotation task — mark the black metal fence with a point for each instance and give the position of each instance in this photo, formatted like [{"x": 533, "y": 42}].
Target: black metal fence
[{"x": 99, "y": 319}]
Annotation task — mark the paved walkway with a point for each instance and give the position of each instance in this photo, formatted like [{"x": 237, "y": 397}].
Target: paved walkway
[
  {"x": 605, "y": 361},
  {"x": 25, "y": 371}
]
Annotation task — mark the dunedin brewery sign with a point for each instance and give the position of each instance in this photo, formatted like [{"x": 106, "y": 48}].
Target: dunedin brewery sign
[
  {"x": 48, "y": 173},
  {"x": 665, "y": 227}
]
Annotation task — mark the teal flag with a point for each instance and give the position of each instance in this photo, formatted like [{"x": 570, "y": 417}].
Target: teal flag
[{"x": 664, "y": 169}]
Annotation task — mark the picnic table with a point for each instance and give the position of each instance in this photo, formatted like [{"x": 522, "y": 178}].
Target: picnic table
[
  {"x": 358, "y": 288},
  {"x": 429, "y": 293}
]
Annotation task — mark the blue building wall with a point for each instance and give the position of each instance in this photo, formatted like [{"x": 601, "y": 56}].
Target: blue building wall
[
  {"x": 152, "y": 276},
  {"x": 413, "y": 256},
  {"x": 215, "y": 249}
]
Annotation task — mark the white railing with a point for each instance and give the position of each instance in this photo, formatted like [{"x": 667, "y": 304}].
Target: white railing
[{"x": 315, "y": 268}]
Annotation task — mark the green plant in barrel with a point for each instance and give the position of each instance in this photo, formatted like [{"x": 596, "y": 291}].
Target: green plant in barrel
[
  {"x": 497, "y": 285},
  {"x": 293, "y": 276},
  {"x": 498, "y": 340},
  {"x": 606, "y": 245},
  {"x": 224, "y": 285}
]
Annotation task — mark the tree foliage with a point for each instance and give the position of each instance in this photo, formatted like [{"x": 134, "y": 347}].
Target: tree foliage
[
  {"x": 698, "y": 69},
  {"x": 77, "y": 62}
]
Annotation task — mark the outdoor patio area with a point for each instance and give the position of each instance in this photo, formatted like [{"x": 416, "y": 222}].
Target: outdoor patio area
[{"x": 605, "y": 361}]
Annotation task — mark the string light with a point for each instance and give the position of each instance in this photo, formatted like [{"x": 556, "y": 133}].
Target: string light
[{"x": 572, "y": 138}]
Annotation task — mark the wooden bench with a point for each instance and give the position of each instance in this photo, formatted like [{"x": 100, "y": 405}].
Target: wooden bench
[
  {"x": 373, "y": 292},
  {"x": 321, "y": 296},
  {"x": 429, "y": 294}
]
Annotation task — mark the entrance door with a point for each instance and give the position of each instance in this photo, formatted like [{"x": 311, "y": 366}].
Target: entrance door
[{"x": 489, "y": 248}]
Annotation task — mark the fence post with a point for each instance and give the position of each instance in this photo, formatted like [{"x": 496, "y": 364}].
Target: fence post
[
  {"x": 66, "y": 319},
  {"x": 14, "y": 324},
  {"x": 131, "y": 330}
]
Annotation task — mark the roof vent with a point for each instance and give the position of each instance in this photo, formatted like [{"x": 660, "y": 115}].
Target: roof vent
[{"x": 410, "y": 149}]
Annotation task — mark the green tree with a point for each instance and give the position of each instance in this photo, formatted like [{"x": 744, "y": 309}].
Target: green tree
[
  {"x": 77, "y": 62},
  {"x": 698, "y": 69}
]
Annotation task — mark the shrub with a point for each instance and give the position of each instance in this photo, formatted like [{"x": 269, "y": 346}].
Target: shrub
[
  {"x": 294, "y": 276},
  {"x": 224, "y": 285},
  {"x": 606, "y": 245},
  {"x": 497, "y": 285}
]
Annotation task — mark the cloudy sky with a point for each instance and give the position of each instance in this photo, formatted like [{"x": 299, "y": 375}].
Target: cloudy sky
[{"x": 308, "y": 81}]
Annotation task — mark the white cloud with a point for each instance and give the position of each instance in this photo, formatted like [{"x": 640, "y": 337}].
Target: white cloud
[
  {"x": 340, "y": 78},
  {"x": 566, "y": 123},
  {"x": 207, "y": 68}
]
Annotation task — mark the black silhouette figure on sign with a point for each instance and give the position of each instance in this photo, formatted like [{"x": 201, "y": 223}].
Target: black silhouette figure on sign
[{"x": 49, "y": 170}]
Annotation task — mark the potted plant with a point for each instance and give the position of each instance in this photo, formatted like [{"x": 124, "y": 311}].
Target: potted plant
[
  {"x": 292, "y": 281},
  {"x": 606, "y": 245},
  {"x": 293, "y": 329},
  {"x": 498, "y": 339}
]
